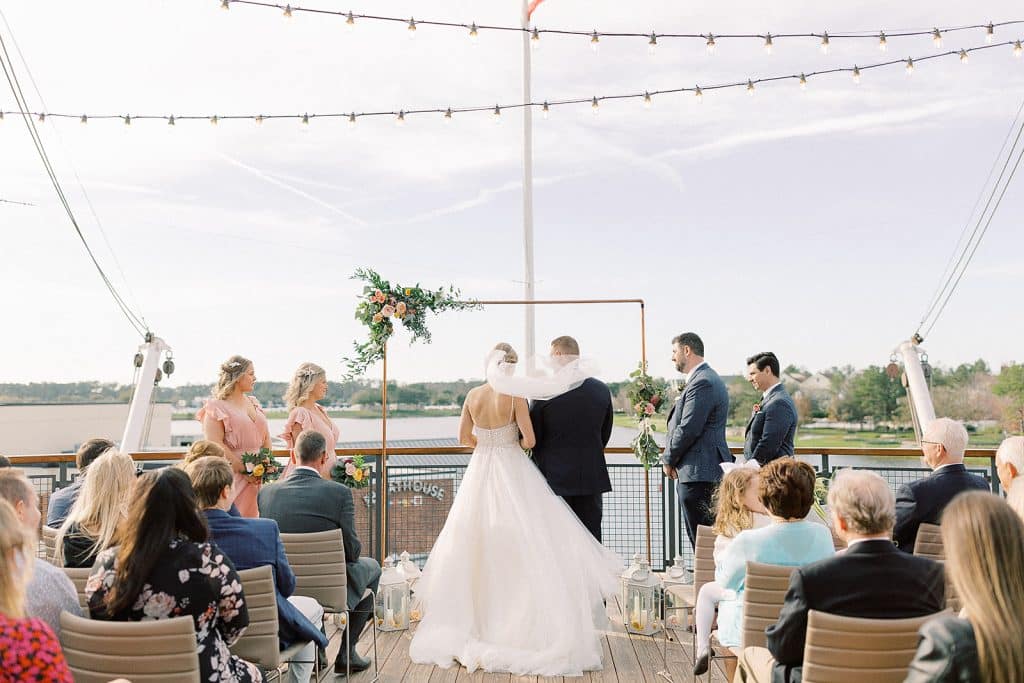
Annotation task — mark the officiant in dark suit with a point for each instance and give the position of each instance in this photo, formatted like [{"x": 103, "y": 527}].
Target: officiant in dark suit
[
  {"x": 772, "y": 426},
  {"x": 572, "y": 430},
  {"x": 696, "y": 445}
]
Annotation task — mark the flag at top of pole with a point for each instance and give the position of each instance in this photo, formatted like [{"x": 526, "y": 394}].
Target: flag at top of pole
[{"x": 533, "y": 6}]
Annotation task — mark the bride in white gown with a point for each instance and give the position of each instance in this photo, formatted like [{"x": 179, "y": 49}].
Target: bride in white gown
[{"x": 514, "y": 582}]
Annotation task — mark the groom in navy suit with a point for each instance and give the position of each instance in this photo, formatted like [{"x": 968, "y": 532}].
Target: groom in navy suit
[
  {"x": 772, "y": 425},
  {"x": 696, "y": 445},
  {"x": 572, "y": 431}
]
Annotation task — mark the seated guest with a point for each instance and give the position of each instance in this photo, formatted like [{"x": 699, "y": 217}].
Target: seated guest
[
  {"x": 871, "y": 579},
  {"x": 4, "y": 461},
  {"x": 786, "y": 488},
  {"x": 942, "y": 446},
  {"x": 306, "y": 502},
  {"x": 1010, "y": 467},
  {"x": 207, "y": 449},
  {"x": 984, "y": 541},
  {"x": 253, "y": 543},
  {"x": 61, "y": 500},
  {"x": 98, "y": 511},
  {"x": 50, "y": 591},
  {"x": 163, "y": 566},
  {"x": 28, "y": 649}
]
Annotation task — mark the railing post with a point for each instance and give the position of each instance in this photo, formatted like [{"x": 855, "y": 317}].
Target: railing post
[
  {"x": 380, "y": 522},
  {"x": 63, "y": 478},
  {"x": 824, "y": 465},
  {"x": 671, "y": 510},
  {"x": 994, "y": 473}
]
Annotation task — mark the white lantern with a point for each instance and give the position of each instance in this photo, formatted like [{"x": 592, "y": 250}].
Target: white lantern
[
  {"x": 674, "y": 582},
  {"x": 393, "y": 599},
  {"x": 408, "y": 569},
  {"x": 641, "y": 598}
]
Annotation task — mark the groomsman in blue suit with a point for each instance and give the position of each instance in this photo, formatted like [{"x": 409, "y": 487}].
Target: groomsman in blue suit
[
  {"x": 696, "y": 445},
  {"x": 772, "y": 425}
]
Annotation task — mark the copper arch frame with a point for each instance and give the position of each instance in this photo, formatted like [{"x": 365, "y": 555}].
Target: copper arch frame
[{"x": 383, "y": 474}]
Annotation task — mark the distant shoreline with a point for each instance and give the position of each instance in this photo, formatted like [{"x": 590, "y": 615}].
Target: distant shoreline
[{"x": 281, "y": 414}]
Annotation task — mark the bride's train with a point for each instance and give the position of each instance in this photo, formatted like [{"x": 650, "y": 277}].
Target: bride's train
[{"x": 514, "y": 582}]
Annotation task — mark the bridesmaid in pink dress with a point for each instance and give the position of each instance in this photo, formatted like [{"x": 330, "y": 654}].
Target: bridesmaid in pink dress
[
  {"x": 236, "y": 422},
  {"x": 308, "y": 386}
]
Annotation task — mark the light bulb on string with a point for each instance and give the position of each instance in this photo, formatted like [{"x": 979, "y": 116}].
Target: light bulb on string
[
  {"x": 882, "y": 44},
  {"x": 305, "y": 119},
  {"x": 910, "y": 66},
  {"x": 473, "y": 34},
  {"x": 647, "y": 100},
  {"x": 856, "y": 74},
  {"x": 990, "y": 31},
  {"x": 225, "y": 4},
  {"x": 535, "y": 38},
  {"x": 127, "y": 120},
  {"x": 214, "y": 120},
  {"x": 595, "y": 41},
  {"x": 824, "y": 43},
  {"x": 699, "y": 94},
  {"x": 710, "y": 44},
  {"x": 448, "y": 115},
  {"x": 937, "y": 38},
  {"x": 750, "y": 87},
  {"x": 768, "y": 44},
  {"x": 803, "y": 82},
  {"x": 963, "y": 56},
  {"x": 42, "y": 117},
  {"x": 544, "y": 111},
  {"x": 496, "y": 114},
  {"x": 412, "y": 28},
  {"x": 400, "y": 119},
  {"x": 352, "y": 119},
  {"x": 83, "y": 120},
  {"x": 170, "y": 120},
  {"x": 288, "y": 11},
  {"x": 350, "y": 21},
  {"x": 1018, "y": 49},
  {"x": 595, "y": 106},
  {"x": 259, "y": 119},
  {"x": 652, "y": 45}
]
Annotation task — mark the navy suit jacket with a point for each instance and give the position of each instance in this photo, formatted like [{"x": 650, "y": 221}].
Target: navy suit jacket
[
  {"x": 251, "y": 543},
  {"x": 572, "y": 431},
  {"x": 871, "y": 580},
  {"x": 771, "y": 430},
  {"x": 696, "y": 428},
  {"x": 925, "y": 499}
]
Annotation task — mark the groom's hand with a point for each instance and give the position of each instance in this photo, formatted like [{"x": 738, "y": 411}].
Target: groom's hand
[{"x": 669, "y": 471}]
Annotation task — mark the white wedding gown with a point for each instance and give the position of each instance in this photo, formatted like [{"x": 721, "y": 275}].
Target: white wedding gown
[{"x": 514, "y": 582}]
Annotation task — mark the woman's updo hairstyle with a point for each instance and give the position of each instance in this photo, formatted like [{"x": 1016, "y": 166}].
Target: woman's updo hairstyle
[
  {"x": 511, "y": 356},
  {"x": 231, "y": 371}
]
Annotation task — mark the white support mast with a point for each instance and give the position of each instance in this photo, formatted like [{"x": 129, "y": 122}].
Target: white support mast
[
  {"x": 529, "y": 293},
  {"x": 138, "y": 413},
  {"x": 921, "y": 407}
]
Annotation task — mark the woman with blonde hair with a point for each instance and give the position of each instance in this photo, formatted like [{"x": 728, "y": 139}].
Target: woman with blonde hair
[
  {"x": 235, "y": 421},
  {"x": 28, "y": 649},
  {"x": 984, "y": 542},
  {"x": 99, "y": 510},
  {"x": 203, "y": 449},
  {"x": 308, "y": 386},
  {"x": 1010, "y": 468}
]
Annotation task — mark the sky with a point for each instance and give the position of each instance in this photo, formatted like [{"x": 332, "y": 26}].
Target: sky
[{"x": 812, "y": 223}]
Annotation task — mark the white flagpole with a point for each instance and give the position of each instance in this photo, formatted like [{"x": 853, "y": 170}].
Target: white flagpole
[{"x": 528, "y": 191}]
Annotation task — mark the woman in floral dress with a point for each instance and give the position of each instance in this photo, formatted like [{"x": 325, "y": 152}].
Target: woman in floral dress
[{"x": 164, "y": 567}]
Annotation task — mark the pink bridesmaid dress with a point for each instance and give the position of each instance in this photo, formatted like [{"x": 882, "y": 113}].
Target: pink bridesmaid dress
[
  {"x": 317, "y": 420},
  {"x": 242, "y": 434}
]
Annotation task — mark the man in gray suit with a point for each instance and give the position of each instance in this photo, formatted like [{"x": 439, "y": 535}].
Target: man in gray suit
[
  {"x": 696, "y": 445},
  {"x": 306, "y": 502},
  {"x": 772, "y": 425}
]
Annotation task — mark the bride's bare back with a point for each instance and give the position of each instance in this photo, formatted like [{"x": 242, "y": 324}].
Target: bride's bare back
[{"x": 487, "y": 409}]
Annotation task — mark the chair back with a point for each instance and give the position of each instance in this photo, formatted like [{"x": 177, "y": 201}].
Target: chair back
[
  {"x": 156, "y": 651},
  {"x": 50, "y": 543},
  {"x": 259, "y": 643},
  {"x": 764, "y": 593},
  {"x": 703, "y": 558},
  {"x": 853, "y": 650},
  {"x": 929, "y": 542},
  {"x": 318, "y": 560},
  {"x": 79, "y": 577}
]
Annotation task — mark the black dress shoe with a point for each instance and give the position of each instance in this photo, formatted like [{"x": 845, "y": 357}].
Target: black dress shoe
[
  {"x": 354, "y": 660},
  {"x": 699, "y": 668}
]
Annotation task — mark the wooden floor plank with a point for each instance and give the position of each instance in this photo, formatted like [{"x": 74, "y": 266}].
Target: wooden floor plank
[
  {"x": 627, "y": 665},
  {"x": 448, "y": 675},
  {"x": 607, "y": 672}
]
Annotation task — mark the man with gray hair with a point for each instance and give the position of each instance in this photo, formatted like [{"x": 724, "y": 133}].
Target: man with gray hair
[
  {"x": 922, "y": 501},
  {"x": 871, "y": 579}
]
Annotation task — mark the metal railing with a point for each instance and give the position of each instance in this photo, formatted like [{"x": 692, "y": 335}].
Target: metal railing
[{"x": 423, "y": 482}]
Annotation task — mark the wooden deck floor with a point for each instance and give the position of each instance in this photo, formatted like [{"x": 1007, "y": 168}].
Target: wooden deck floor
[{"x": 627, "y": 659}]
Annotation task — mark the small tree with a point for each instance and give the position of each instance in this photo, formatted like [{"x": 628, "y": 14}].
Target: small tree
[{"x": 1010, "y": 384}]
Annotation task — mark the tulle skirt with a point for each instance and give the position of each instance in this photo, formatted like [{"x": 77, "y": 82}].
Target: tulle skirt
[{"x": 514, "y": 582}]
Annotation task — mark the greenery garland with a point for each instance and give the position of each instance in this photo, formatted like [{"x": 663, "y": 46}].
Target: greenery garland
[
  {"x": 382, "y": 303},
  {"x": 647, "y": 397}
]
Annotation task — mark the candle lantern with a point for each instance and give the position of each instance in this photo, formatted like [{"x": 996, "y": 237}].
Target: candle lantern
[
  {"x": 641, "y": 598},
  {"x": 411, "y": 573},
  {"x": 393, "y": 599},
  {"x": 676, "y": 584}
]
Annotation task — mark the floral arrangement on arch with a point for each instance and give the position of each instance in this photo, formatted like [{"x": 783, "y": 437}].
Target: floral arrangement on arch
[
  {"x": 647, "y": 398},
  {"x": 352, "y": 472},
  {"x": 383, "y": 303}
]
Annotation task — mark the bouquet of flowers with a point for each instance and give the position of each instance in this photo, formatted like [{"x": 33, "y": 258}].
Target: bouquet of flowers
[
  {"x": 352, "y": 472},
  {"x": 261, "y": 465},
  {"x": 647, "y": 397}
]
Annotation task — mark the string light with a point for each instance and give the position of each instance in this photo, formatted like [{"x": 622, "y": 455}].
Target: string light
[
  {"x": 750, "y": 87},
  {"x": 225, "y": 4},
  {"x": 350, "y": 21},
  {"x": 882, "y": 44},
  {"x": 595, "y": 106},
  {"x": 652, "y": 44},
  {"x": 42, "y": 117},
  {"x": 305, "y": 119},
  {"x": 824, "y": 43},
  {"x": 963, "y": 57},
  {"x": 400, "y": 119},
  {"x": 699, "y": 94},
  {"x": 647, "y": 100},
  {"x": 937, "y": 38},
  {"x": 448, "y": 115},
  {"x": 544, "y": 111},
  {"x": 84, "y": 119},
  {"x": 214, "y": 120},
  {"x": 170, "y": 120},
  {"x": 259, "y": 119},
  {"x": 1017, "y": 49},
  {"x": 990, "y": 31},
  {"x": 288, "y": 11},
  {"x": 473, "y": 33},
  {"x": 594, "y": 41},
  {"x": 710, "y": 44},
  {"x": 496, "y": 114},
  {"x": 856, "y": 74},
  {"x": 352, "y": 119},
  {"x": 768, "y": 44},
  {"x": 535, "y": 39},
  {"x": 127, "y": 120},
  {"x": 910, "y": 66},
  {"x": 803, "y": 82},
  {"x": 412, "y": 28}
]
